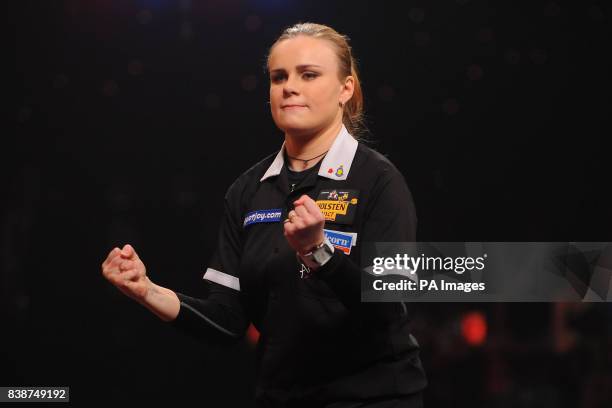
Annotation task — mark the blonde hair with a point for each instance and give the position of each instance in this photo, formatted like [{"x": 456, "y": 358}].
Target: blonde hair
[{"x": 352, "y": 115}]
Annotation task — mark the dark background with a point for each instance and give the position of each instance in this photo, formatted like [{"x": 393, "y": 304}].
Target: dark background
[{"x": 132, "y": 119}]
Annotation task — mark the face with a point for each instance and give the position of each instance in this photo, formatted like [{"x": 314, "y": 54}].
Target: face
[{"x": 305, "y": 90}]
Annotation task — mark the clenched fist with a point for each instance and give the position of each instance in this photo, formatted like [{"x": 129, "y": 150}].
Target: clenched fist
[
  {"x": 124, "y": 269},
  {"x": 303, "y": 227}
]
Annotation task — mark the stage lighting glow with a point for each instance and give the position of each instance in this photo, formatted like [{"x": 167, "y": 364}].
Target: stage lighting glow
[
  {"x": 474, "y": 72},
  {"x": 450, "y": 106},
  {"x": 252, "y": 335},
  {"x": 474, "y": 328}
]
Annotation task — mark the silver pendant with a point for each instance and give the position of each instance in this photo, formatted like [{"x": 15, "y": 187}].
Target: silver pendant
[{"x": 304, "y": 271}]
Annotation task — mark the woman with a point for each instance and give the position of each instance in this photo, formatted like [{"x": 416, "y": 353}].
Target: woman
[{"x": 288, "y": 257}]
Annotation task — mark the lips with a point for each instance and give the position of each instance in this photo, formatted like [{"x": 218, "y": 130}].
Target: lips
[{"x": 292, "y": 106}]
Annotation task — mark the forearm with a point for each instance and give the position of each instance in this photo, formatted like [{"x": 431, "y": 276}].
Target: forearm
[
  {"x": 162, "y": 302},
  {"x": 218, "y": 318}
]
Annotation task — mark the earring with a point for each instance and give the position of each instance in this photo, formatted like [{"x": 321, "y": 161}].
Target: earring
[{"x": 341, "y": 104}]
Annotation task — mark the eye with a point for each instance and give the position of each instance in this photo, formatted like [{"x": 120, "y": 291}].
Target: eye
[
  {"x": 277, "y": 78},
  {"x": 310, "y": 75}
]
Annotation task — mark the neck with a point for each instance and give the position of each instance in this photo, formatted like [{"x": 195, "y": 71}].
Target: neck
[{"x": 305, "y": 147}]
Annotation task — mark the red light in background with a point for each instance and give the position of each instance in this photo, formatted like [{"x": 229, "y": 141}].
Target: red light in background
[
  {"x": 252, "y": 335},
  {"x": 474, "y": 328}
]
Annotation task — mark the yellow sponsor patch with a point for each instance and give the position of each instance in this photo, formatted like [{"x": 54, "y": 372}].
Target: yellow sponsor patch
[
  {"x": 338, "y": 205},
  {"x": 331, "y": 209}
]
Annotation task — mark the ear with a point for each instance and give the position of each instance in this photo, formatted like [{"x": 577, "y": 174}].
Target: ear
[{"x": 347, "y": 89}]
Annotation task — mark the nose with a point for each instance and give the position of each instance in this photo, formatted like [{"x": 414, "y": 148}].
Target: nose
[{"x": 290, "y": 87}]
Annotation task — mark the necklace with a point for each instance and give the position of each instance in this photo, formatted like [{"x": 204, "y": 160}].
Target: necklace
[{"x": 306, "y": 160}]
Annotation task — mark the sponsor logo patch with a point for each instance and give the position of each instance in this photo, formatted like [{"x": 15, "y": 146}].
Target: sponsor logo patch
[
  {"x": 338, "y": 206},
  {"x": 254, "y": 217},
  {"x": 342, "y": 241}
]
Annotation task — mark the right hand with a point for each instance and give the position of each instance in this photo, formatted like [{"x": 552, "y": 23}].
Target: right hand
[{"x": 124, "y": 269}]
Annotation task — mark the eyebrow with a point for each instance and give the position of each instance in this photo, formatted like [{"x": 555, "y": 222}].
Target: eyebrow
[{"x": 299, "y": 67}]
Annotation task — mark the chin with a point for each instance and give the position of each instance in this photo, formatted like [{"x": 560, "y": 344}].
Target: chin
[{"x": 294, "y": 128}]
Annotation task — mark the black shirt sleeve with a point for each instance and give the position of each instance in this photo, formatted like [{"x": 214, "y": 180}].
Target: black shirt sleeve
[
  {"x": 217, "y": 319},
  {"x": 220, "y": 317},
  {"x": 390, "y": 217}
]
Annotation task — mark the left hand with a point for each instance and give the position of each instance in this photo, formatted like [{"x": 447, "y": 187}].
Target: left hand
[{"x": 304, "y": 230}]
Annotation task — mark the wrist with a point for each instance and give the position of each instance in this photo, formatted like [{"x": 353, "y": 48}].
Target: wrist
[
  {"x": 151, "y": 293},
  {"x": 163, "y": 302},
  {"x": 311, "y": 248},
  {"x": 318, "y": 255}
]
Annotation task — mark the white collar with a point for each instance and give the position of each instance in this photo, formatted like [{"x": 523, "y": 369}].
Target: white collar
[{"x": 335, "y": 165}]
